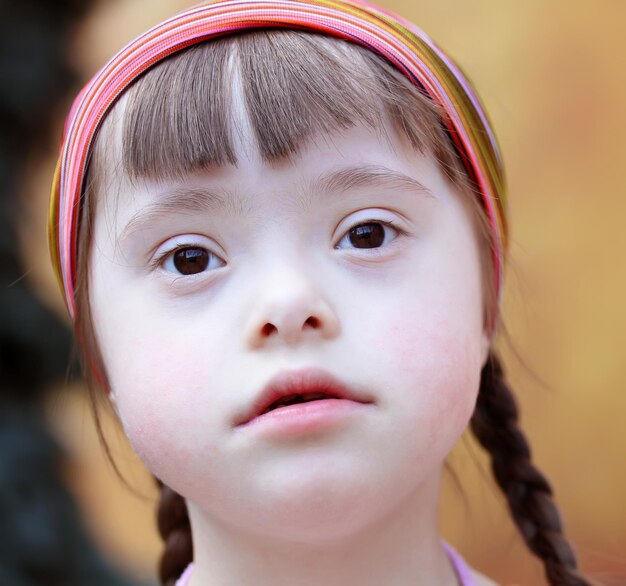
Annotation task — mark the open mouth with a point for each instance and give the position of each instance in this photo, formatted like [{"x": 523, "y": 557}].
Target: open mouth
[
  {"x": 296, "y": 398},
  {"x": 292, "y": 387}
]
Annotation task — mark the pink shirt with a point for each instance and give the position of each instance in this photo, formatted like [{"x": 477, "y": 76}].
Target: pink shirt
[{"x": 462, "y": 570}]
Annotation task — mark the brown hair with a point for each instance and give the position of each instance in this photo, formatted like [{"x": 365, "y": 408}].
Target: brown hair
[{"x": 177, "y": 119}]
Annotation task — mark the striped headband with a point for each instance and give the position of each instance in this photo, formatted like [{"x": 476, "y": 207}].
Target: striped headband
[{"x": 382, "y": 32}]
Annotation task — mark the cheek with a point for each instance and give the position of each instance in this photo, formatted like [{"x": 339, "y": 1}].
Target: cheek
[
  {"x": 436, "y": 364},
  {"x": 165, "y": 395}
]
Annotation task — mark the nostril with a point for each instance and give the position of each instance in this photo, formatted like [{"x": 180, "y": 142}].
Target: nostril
[
  {"x": 268, "y": 329},
  {"x": 313, "y": 322}
]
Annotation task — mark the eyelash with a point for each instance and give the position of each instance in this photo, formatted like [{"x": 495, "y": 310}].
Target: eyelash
[
  {"x": 160, "y": 260},
  {"x": 378, "y": 250}
]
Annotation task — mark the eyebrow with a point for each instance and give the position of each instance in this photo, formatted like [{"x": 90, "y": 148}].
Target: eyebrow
[
  {"x": 367, "y": 176},
  {"x": 178, "y": 200},
  {"x": 202, "y": 200}
]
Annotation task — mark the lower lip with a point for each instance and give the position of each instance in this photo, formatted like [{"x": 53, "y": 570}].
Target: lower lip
[{"x": 303, "y": 418}]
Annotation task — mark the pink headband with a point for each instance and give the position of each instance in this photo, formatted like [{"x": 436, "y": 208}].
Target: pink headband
[{"x": 382, "y": 32}]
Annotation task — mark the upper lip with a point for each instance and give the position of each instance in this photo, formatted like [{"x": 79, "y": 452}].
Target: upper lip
[{"x": 290, "y": 382}]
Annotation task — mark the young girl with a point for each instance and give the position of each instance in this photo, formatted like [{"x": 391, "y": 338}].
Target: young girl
[{"x": 280, "y": 229}]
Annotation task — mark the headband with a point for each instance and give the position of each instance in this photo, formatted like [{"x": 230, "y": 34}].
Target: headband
[{"x": 380, "y": 31}]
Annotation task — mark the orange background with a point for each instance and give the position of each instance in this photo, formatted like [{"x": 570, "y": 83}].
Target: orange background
[{"x": 551, "y": 75}]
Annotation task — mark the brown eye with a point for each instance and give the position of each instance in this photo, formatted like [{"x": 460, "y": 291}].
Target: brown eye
[
  {"x": 370, "y": 235},
  {"x": 190, "y": 261}
]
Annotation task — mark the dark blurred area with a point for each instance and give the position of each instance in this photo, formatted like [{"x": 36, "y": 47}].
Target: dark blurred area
[
  {"x": 34, "y": 77},
  {"x": 43, "y": 540}
]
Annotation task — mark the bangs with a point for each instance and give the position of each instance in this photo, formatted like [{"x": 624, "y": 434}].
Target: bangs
[{"x": 180, "y": 118}]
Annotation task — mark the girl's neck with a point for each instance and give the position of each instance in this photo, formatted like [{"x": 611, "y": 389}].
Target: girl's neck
[{"x": 402, "y": 549}]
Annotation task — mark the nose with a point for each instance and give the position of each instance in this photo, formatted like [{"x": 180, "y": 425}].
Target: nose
[{"x": 289, "y": 308}]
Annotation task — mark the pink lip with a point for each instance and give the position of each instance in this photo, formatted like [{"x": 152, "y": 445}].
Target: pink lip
[{"x": 309, "y": 380}]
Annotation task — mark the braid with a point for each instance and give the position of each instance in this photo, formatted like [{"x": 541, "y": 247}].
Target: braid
[
  {"x": 529, "y": 495},
  {"x": 174, "y": 528}
]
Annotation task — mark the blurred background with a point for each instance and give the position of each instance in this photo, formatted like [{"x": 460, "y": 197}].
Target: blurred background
[{"x": 551, "y": 75}]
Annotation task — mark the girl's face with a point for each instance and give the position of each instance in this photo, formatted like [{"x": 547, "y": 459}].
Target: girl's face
[{"x": 204, "y": 288}]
